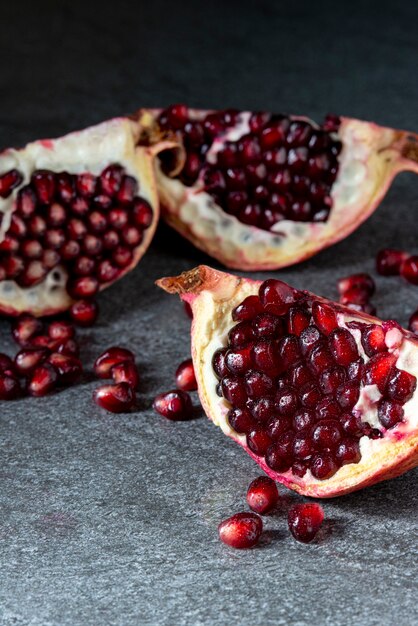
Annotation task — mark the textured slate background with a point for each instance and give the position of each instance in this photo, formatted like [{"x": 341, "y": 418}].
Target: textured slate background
[{"x": 112, "y": 519}]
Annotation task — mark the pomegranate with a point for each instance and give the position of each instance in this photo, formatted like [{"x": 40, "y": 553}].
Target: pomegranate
[
  {"x": 77, "y": 213},
  {"x": 325, "y": 409},
  {"x": 305, "y": 520},
  {"x": 262, "y": 495},
  {"x": 242, "y": 530},
  {"x": 174, "y": 405},
  {"x": 118, "y": 398},
  {"x": 259, "y": 191}
]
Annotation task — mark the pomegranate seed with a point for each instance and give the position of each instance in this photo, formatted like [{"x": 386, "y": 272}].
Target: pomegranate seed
[
  {"x": 390, "y": 413},
  {"x": 348, "y": 451},
  {"x": 378, "y": 370},
  {"x": 248, "y": 309},
  {"x": 240, "y": 335},
  {"x": 69, "y": 347},
  {"x": 102, "y": 201},
  {"x": 262, "y": 495},
  {"x": 84, "y": 287},
  {"x": 401, "y": 386},
  {"x": 258, "y": 441},
  {"x": 44, "y": 185},
  {"x": 323, "y": 466},
  {"x": 233, "y": 390},
  {"x": 238, "y": 361},
  {"x": 54, "y": 238},
  {"x": 267, "y": 326},
  {"x": 6, "y": 363},
  {"x": 106, "y": 271},
  {"x": 218, "y": 363},
  {"x": 185, "y": 376},
  {"x": 26, "y": 202},
  {"x": 177, "y": 115},
  {"x": 127, "y": 190},
  {"x": 298, "y": 320},
  {"x": 242, "y": 530},
  {"x": 278, "y": 458},
  {"x": 266, "y": 357},
  {"x": 289, "y": 351},
  {"x": 126, "y": 372},
  {"x": 142, "y": 213},
  {"x": 84, "y": 312},
  {"x": 97, "y": 222},
  {"x": 326, "y": 434},
  {"x": 68, "y": 367},
  {"x": 257, "y": 384},
  {"x": 28, "y": 359},
  {"x": 17, "y": 226},
  {"x": 83, "y": 266},
  {"x": 118, "y": 218},
  {"x": 70, "y": 250},
  {"x": 277, "y": 297},
  {"x": 122, "y": 256},
  {"x": 25, "y": 328},
  {"x": 174, "y": 405},
  {"x": 9, "y": 386},
  {"x": 9, "y": 244},
  {"x": 132, "y": 236},
  {"x": 303, "y": 420},
  {"x": 309, "y": 338},
  {"x": 357, "y": 281},
  {"x": 347, "y": 394},
  {"x": 65, "y": 186},
  {"x": 43, "y": 380},
  {"x": 331, "y": 379},
  {"x": 50, "y": 258},
  {"x": 119, "y": 398},
  {"x": 305, "y": 520},
  {"x": 80, "y": 207},
  {"x": 112, "y": 356},
  {"x": 110, "y": 180},
  {"x": 56, "y": 215},
  {"x": 110, "y": 239},
  {"x": 61, "y": 330},
  {"x": 86, "y": 185},
  {"x": 355, "y": 296},
  {"x": 389, "y": 261},
  {"x": 409, "y": 270},
  {"x": 351, "y": 424},
  {"x": 343, "y": 346},
  {"x": 303, "y": 447},
  {"x": 373, "y": 339},
  {"x": 324, "y": 317},
  {"x": 241, "y": 420},
  {"x": 9, "y": 181}
]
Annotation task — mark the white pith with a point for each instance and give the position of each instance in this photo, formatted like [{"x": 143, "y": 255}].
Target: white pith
[
  {"x": 362, "y": 179},
  {"x": 90, "y": 150},
  {"x": 211, "y": 323}
]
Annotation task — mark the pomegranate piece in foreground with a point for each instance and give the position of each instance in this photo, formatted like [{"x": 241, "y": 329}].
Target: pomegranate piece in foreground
[
  {"x": 325, "y": 412},
  {"x": 77, "y": 223},
  {"x": 260, "y": 191},
  {"x": 242, "y": 530}
]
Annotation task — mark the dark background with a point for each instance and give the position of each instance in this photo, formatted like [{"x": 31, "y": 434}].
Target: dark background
[{"x": 112, "y": 519}]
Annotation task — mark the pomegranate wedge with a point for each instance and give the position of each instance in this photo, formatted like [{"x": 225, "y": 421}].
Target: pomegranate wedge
[
  {"x": 305, "y": 385},
  {"x": 260, "y": 191},
  {"x": 77, "y": 213}
]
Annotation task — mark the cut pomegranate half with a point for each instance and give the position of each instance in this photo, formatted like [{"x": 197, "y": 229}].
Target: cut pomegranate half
[
  {"x": 260, "y": 191},
  {"x": 326, "y": 410},
  {"x": 77, "y": 213}
]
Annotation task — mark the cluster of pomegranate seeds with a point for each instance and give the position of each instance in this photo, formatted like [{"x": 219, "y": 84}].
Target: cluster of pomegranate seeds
[
  {"x": 305, "y": 520},
  {"x": 119, "y": 364},
  {"x": 292, "y": 378},
  {"x": 262, "y": 495},
  {"x": 242, "y": 530},
  {"x": 176, "y": 404},
  {"x": 279, "y": 168},
  {"x": 88, "y": 224},
  {"x": 355, "y": 292},
  {"x": 48, "y": 357}
]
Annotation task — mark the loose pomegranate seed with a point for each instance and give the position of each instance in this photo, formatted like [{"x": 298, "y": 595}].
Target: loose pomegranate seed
[
  {"x": 28, "y": 359},
  {"x": 242, "y": 530},
  {"x": 126, "y": 372},
  {"x": 61, "y": 331},
  {"x": 355, "y": 297},
  {"x": 68, "y": 367},
  {"x": 390, "y": 413},
  {"x": 409, "y": 270},
  {"x": 9, "y": 386},
  {"x": 119, "y": 398},
  {"x": 6, "y": 363},
  {"x": 25, "y": 328},
  {"x": 84, "y": 312},
  {"x": 174, "y": 405},
  {"x": 69, "y": 347},
  {"x": 185, "y": 376},
  {"x": 112, "y": 356},
  {"x": 357, "y": 281},
  {"x": 305, "y": 520},
  {"x": 389, "y": 261},
  {"x": 262, "y": 495},
  {"x": 43, "y": 380}
]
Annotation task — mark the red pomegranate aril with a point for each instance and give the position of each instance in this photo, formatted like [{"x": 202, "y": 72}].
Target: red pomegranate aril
[
  {"x": 305, "y": 520},
  {"x": 86, "y": 184},
  {"x": 299, "y": 375},
  {"x": 373, "y": 339},
  {"x": 218, "y": 362},
  {"x": 262, "y": 409},
  {"x": 127, "y": 190},
  {"x": 119, "y": 398},
  {"x": 262, "y": 495},
  {"x": 97, "y": 222},
  {"x": 193, "y": 134},
  {"x": 65, "y": 186},
  {"x": 266, "y": 357},
  {"x": 347, "y": 394},
  {"x": 241, "y": 531},
  {"x": 303, "y": 420},
  {"x": 355, "y": 370},
  {"x": 84, "y": 312},
  {"x": 233, "y": 390},
  {"x": 110, "y": 239},
  {"x": 9, "y": 181},
  {"x": 247, "y": 309},
  {"x": 6, "y": 363},
  {"x": 106, "y": 271},
  {"x": 18, "y": 227},
  {"x": 112, "y": 356},
  {"x": 327, "y": 408},
  {"x": 258, "y": 384},
  {"x": 54, "y": 238},
  {"x": 110, "y": 180},
  {"x": 70, "y": 250},
  {"x": 69, "y": 347},
  {"x": 348, "y": 451},
  {"x": 176, "y": 116},
  {"x": 84, "y": 287},
  {"x": 191, "y": 168},
  {"x": 142, "y": 213},
  {"x": 241, "y": 335},
  {"x": 126, "y": 372},
  {"x": 118, "y": 218},
  {"x": 241, "y": 420},
  {"x": 331, "y": 379},
  {"x": 286, "y": 402},
  {"x": 298, "y": 320},
  {"x": 310, "y": 395},
  {"x": 389, "y": 261},
  {"x": 131, "y": 235},
  {"x": 9, "y": 244},
  {"x": 185, "y": 376},
  {"x": 309, "y": 338},
  {"x": 319, "y": 358},
  {"x": 28, "y": 359},
  {"x": 32, "y": 274},
  {"x": 267, "y": 326},
  {"x": 56, "y": 215},
  {"x": 26, "y": 202},
  {"x": 102, "y": 202},
  {"x": 355, "y": 296},
  {"x": 343, "y": 346},
  {"x": 258, "y": 440},
  {"x": 238, "y": 361},
  {"x": 323, "y": 466},
  {"x": 326, "y": 434},
  {"x": 378, "y": 370},
  {"x": 13, "y": 266},
  {"x": 61, "y": 330},
  {"x": 273, "y": 135},
  {"x": 413, "y": 323},
  {"x": 174, "y": 405},
  {"x": 357, "y": 281},
  {"x": 277, "y": 459},
  {"x": 44, "y": 185},
  {"x": 401, "y": 386},
  {"x": 352, "y": 424},
  {"x": 324, "y": 317},
  {"x": 43, "y": 380},
  {"x": 122, "y": 256},
  {"x": 31, "y": 249},
  {"x": 390, "y": 413},
  {"x": 80, "y": 207},
  {"x": 37, "y": 226},
  {"x": 277, "y": 426},
  {"x": 277, "y": 297},
  {"x": 303, "y": 447},
  {"x": 83, "y": 266},
  {"x": 68, "y": 367},
  {"x": 279, "y": 180},
  {"x": 92, "y": 245},
  {"x": 25, "y": 327},
  {"x": 409, "y": 270},
  {"x": 9, "y": 386}
]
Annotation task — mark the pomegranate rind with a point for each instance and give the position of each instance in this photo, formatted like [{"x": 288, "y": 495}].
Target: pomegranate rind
[
  {"x": 115, "y": 141},
  {"x": 372, "y": 155},
  {"x": 213, "y": 295}
]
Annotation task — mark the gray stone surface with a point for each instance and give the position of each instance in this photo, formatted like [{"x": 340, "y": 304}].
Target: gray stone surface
[{"x": 112, "y": 520}]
